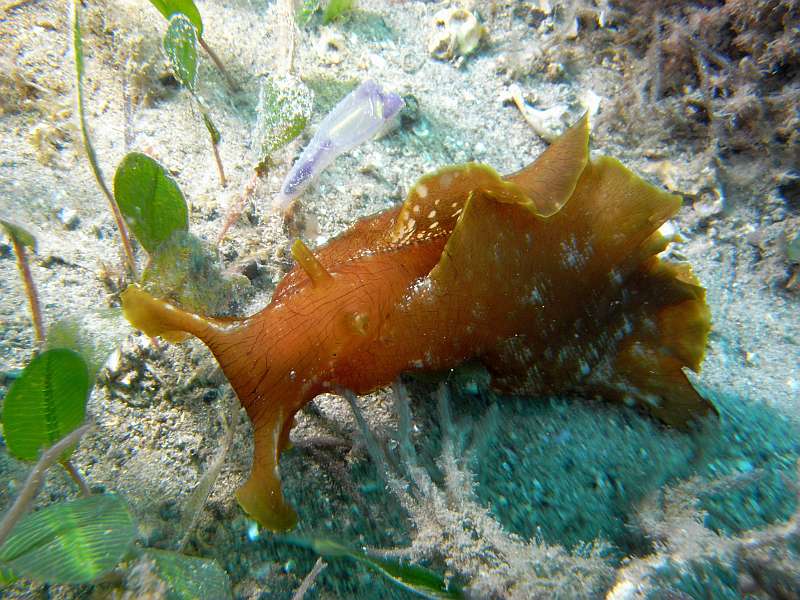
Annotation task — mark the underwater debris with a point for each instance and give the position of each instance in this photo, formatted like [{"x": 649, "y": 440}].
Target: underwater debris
[
  {"x": 362, "y": 114},
  {"x": 457, "y": 33},
  {"x": 549, "y": 123},
  {"x": 451, "y": 275},
  {"x": 722, "y": 73}
]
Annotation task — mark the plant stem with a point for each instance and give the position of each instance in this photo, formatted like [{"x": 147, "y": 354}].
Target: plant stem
[
  {"x": 73, "y": 472},
  {"x": 235, "y": 210},
  {"x": 309, "y": 579},
  {"x": 198, "y": 499},
  {"x": 223, "y": 182},
  {"x": 222, "y": 179},
  {"x": 213, "y": 133},
  {"x": 77, "y": 51},
  {"x": 31, "y": 487},
  {"x": 218, "y": 63},
  {"x": 30, "y": 289}
]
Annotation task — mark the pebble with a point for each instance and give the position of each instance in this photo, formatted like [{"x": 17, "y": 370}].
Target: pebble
[{"x": 68, "y": 218}]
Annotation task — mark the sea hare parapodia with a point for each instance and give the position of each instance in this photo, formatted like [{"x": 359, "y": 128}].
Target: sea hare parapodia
[{"x": 549, "y": 277}]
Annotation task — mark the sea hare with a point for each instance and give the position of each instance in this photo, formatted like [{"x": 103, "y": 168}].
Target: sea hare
[{"x": 549, "y": 276}]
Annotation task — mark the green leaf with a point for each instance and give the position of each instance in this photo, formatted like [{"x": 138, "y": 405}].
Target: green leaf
[
  {"x": 70, "y": 542},
  {"x": 186, "y": 7},
  {"x": 336, "y": 8},
  {"x": 77, "y": 44},
  {"x": 7, "y": 576},
  {"x": 413, "y": 578},
  {"x": 180, "y": 46},
  {"x": 150, "y": 200},
  {"x": 45, "y": 403},
  {"x": 190, "y": 577},
  {"x": 212, "y": 129},
  {"x": 18, "y": 234},
  {"x": 283, "y": 110}
]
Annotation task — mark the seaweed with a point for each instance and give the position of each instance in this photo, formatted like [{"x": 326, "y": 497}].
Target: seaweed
[{"x": 724, "y": 73}]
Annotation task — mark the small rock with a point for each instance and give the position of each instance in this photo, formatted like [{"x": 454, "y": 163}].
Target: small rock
[
  {"x": 69, "y": 218},
  {"x": 410, "y": 113}
]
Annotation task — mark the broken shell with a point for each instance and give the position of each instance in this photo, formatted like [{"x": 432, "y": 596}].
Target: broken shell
[
  {"x": 708, "y": 202},
  {"x": 457, "y": 33},
  {"x": 548, "y": 123}
]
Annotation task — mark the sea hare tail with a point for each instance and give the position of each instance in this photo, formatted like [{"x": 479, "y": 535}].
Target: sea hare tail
[
  {"x": 670, "y": 322},
  {"x": 261, "y": 496}
]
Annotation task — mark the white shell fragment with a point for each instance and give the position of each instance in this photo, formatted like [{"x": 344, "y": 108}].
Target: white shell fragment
[
  {"x": 548, "y": 123},
  {"x": 456, "y": 33},
  {"x": 364, "y": 113}
]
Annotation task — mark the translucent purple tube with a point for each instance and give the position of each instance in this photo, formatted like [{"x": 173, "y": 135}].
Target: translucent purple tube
[{"x": 359, "y": 116}]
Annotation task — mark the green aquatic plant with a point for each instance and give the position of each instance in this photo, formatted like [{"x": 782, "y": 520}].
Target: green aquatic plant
[
  {"x": 82, "y": 540},
  {"x": 409, "y": 576},
  {"x": 306, "y": 12},
  {"x": 336, "y": 9},
  {"x": 282, "y": 113},
  {"x": 91, "y": 155},
  {"x": 22, "y": 241},
  {"x": 187, "y": 8},
  {"x": 179, "y": 43},
  {"x": 188, "y": 577},
  {"x": 180, "y": 46},
  {"x": 30, "y": 489},
  {"x": 47, "y": 402},
  {"x": 180, "y": 265},
  {"x": 70, "y": 542},
  {"x": 151, "y": 202}
]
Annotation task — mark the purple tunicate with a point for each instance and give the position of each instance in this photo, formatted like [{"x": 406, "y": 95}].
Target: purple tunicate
[{"x": 362, "y": 114}]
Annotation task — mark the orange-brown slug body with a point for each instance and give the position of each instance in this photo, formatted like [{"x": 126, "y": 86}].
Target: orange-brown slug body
[{"x": 549, "y": 276}]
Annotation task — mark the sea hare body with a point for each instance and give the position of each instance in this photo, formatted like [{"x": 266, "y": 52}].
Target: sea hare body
[{"x": 549, "y": 277}]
